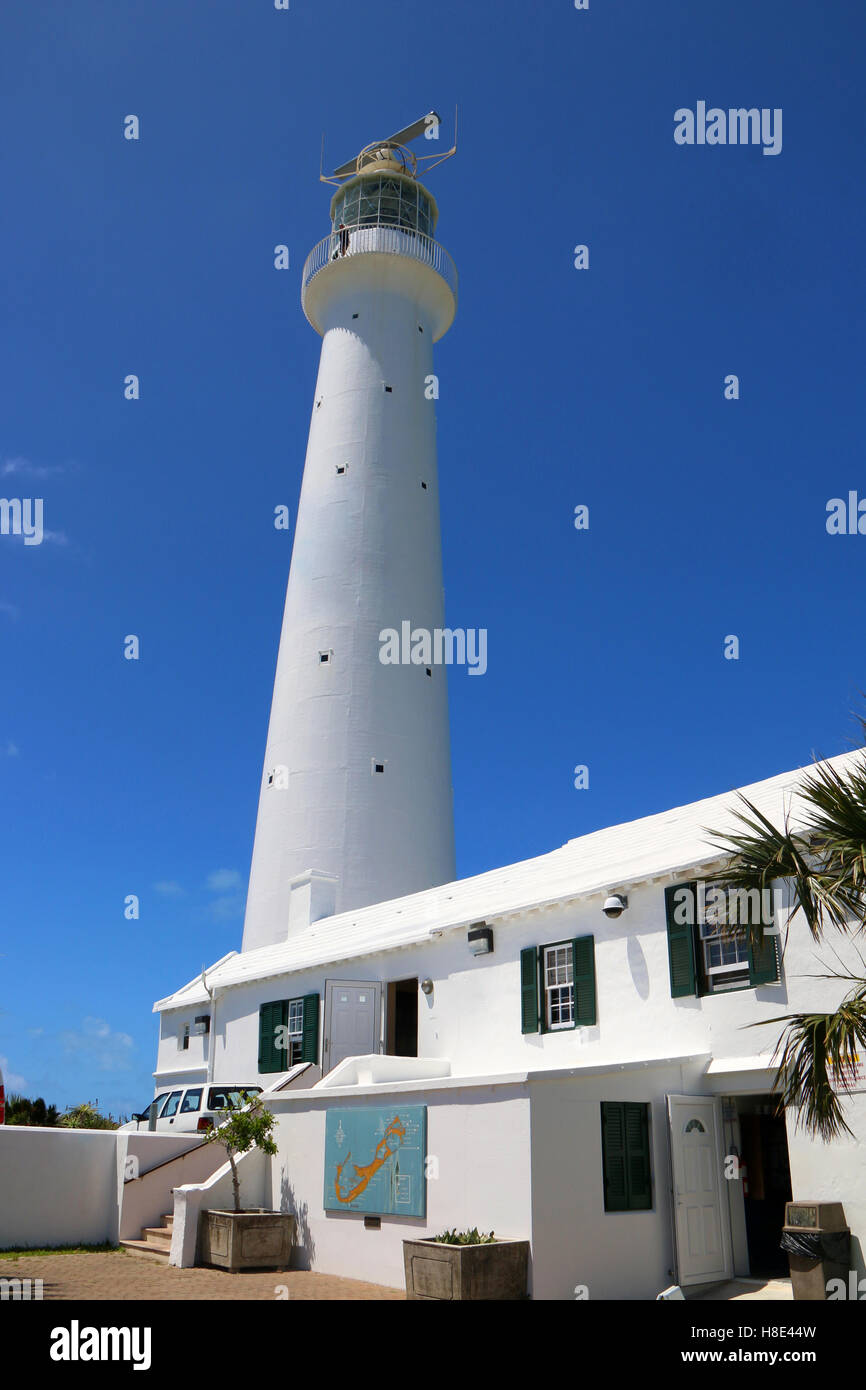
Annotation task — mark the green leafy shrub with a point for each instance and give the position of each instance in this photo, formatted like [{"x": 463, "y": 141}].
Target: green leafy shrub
[
  {"x": 473, "y": 1237},
  {"x": 85, "y": 1117}
]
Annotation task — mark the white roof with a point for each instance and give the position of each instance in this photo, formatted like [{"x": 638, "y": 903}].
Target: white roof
[{"x": 660, "y": 846}]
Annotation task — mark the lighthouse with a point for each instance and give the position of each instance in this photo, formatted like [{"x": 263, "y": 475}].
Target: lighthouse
[{"x": 355, "y": 805}]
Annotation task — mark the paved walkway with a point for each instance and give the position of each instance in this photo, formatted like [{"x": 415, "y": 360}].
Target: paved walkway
[
  {"x": 115, "y": 1275},
  {"x": 748, "y": 1290}
]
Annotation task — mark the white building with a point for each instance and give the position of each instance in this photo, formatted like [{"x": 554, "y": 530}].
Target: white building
[
  {"x": 588, "y": 1082},
  {"x": 571, "y": 1024}
]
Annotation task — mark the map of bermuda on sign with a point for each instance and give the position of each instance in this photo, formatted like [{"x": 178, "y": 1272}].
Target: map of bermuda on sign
[{"x": 375, "y": 1160}]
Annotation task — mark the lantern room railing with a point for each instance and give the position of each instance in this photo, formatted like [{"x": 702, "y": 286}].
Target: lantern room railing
[{"x": 382, "y": 239}]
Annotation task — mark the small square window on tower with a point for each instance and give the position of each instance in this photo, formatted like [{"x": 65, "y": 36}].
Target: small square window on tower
[
  {"x": 342, "y": 468},
  {"x": 424, "y": 486},
  {"x": 389, "y": 388},
  {"x": 325, "y": 658},
  {"x": 429, "y": 670},
  {"x": 376, "y": 767},
  {"x": 354, "y": 316}
]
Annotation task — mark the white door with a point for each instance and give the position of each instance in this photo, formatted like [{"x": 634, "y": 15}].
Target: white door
[
  {"x": 351, "y": 1021},
  {"x": 699, "y": 1194}
]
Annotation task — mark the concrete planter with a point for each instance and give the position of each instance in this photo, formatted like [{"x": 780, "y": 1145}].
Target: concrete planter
[
  {"x": 256, "y": 1239},
  {"x": 435, "y": 1271}
]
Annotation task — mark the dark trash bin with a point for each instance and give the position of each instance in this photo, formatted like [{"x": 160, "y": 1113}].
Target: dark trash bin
[{"x": 818, "y": 1245}]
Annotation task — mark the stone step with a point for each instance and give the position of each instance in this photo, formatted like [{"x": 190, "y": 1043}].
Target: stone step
[
  {"x": 143, "y": 1248},
  {"x": 168, "y": 1220},
  {"x": 160, "y": 1236}
]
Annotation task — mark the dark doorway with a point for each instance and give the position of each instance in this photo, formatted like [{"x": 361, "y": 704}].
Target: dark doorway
[
  {"x": 768, "y": 1184},
  {"x": 402, "y": 1017}
]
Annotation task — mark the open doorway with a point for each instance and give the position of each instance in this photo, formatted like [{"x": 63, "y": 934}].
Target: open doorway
[
  {"x": 766, "y": 1184},
  {"x": 401, "y": 1018}
]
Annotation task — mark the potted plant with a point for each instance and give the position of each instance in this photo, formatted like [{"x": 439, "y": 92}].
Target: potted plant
[
  {"x": 466, "y": 1265},
  {"x": 253, "y": 1237}
]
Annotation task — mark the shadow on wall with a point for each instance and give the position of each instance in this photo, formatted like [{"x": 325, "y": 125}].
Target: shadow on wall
[
  {"x": 305, "y": 1246},
  {"x": 638, "y": 967}
]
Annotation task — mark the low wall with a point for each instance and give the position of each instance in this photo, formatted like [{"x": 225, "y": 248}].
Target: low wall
[
  {"x": 58, "y": 1186},
  {"x": 68, "y": 1186}
]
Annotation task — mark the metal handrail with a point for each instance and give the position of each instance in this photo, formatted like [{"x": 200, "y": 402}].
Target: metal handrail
[{"x": 401, "y": 241}]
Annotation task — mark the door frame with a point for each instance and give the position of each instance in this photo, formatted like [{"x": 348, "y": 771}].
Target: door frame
[
  {"x": 721, "y": 1187},
  {"x": 330, "y": 986}
]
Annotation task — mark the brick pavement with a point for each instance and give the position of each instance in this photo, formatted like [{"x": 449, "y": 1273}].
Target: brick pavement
[{"x": 116, "y": 1275}]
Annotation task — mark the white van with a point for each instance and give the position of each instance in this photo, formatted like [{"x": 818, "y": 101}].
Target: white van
[{"x": 190, "y": 1109}]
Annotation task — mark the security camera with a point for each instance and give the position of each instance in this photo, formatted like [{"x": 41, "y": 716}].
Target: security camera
[{"x": 615, "y": 905}]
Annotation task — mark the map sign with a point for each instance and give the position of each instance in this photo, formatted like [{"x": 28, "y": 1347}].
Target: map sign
[{"x": 375, "y": 1160}]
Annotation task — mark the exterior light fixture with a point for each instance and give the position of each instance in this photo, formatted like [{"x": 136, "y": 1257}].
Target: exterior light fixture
[
  {"x": 426, "y": 986},
  {"x": 615, "y": 905},
  {"x": 480, "y": 939}
]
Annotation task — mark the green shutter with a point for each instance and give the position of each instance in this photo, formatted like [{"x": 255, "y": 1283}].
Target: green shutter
[
  {"x": 583, "y": 970},
  {"x": 763, "y": 958},
  {"x": 638, "y": 1156},
  {"x": 272, "y": 1015},
  {"x": 626, "y": 1156},
  {"x": 529, "y": 990},
  {"x": 311, "y": 1028},
  {"x": 680, "y": 903},
  {"x": 614, "y": 1162}
]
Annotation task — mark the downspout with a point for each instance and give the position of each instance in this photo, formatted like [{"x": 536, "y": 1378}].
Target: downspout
[{"x": 211, "y": 1046}]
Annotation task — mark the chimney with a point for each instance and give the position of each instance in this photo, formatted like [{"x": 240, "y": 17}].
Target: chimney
[{"x": 312, "y": 896}]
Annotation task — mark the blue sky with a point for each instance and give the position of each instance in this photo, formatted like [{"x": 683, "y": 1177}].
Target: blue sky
[{"x": 558, "y": 387}]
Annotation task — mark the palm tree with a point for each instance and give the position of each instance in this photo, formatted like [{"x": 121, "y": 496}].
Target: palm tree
[{"x": 825, "y": 863}]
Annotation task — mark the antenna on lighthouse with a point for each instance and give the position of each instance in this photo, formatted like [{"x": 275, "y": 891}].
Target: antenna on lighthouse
[{"x": 393, "y": 153}]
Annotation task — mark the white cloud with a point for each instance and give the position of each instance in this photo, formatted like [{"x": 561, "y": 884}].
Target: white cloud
[
  {"x": 99, "y": 1045},
  {"x": 10, "y": 750},
  {"x": 227, "y": 909},
  {"x": 221, "y": 880},
  {"x": 168, "y": 888},
  {"x": 33, "y": 470},
  {"x": 11, "y": 1080}
]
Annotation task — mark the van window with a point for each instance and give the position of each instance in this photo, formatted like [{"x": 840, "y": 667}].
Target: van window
[
  {"x": 170, "y": 1107},
  {"x": 191, "y": 1101},
  {"x": 230, "y": 1097}
]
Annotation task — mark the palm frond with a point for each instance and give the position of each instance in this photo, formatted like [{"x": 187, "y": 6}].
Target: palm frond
[
  {"x": 761, "y": 853},
  {"x": 825, "y": 861},
  {"x": 818, "y": 1055}
]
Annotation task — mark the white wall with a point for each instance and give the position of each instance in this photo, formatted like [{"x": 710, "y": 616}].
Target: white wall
[
  {"x": 472, "y": 1017},
  {"x": 66, "y": 1186},
  {"x": 614, "y": 1255},
  {"x": 58, "y": 1187},
  {"x": 480, "y": 1135},
  {"x": 835, "y": 1173}
]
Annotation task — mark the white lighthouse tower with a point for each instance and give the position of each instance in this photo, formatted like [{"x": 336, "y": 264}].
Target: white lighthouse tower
[{"x": 356, "y": 803}]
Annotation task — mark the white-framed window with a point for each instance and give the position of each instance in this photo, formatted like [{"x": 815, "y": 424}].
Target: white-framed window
[
  {"x": 726, "y": 957},
  {"x": 558, "y": 980},
  {"x": 295, "y": 1032},
  {"x": 183, "y": 1038}
]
